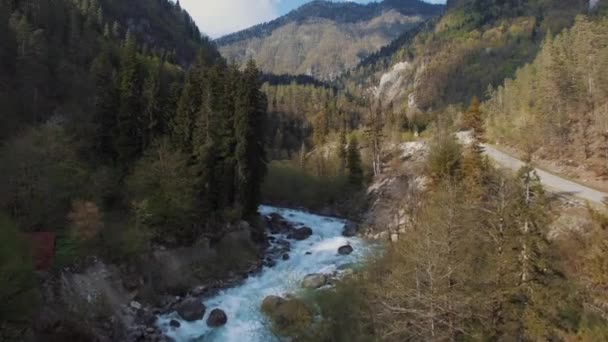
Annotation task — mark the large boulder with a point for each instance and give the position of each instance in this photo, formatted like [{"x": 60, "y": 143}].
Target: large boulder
[
  {"x": 278, "y": 225},
  {"x": 350, "y": 229},
  {"x": 217, "y": 318},
  {"x": 289, "y": 317},
  {"x": 191, "y": 309},
  {"x": 345, "y": 250},
  {"x": 300, "y": 233},
  {"x": 314, "y": 281}
]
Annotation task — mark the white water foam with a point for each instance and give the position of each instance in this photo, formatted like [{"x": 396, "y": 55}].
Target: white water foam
[{"x": 242, "y": 303}]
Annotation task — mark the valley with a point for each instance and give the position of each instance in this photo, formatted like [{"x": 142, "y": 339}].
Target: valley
[{"x": 386, "y": 171}]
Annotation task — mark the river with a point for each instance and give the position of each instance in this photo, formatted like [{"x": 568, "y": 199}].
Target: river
[{"x": 317, "y": 254}]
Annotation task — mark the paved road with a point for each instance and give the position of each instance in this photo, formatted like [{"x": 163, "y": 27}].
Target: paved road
[{"x": 551, "y": 182}]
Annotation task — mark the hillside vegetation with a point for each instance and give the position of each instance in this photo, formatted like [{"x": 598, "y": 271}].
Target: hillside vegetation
[
  {"x": 557, "y": 106},
  {"x": 474, "y": 45},
  {"x": 110, "y": 145}
]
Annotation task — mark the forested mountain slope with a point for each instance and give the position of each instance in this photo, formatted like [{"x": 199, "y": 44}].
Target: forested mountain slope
[
  {"x": 475, "y": 44},
  {"x": 322, "y": 38},
  {"x": 117, "y": 135},
  {"x": 556, "y": 107},
  {"x": 49, "y": 46}
]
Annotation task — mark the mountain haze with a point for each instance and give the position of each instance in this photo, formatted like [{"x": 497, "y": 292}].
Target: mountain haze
[{"x": 322, "y": 38}]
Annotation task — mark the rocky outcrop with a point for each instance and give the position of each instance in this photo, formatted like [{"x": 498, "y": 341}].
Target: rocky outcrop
[
  {"x": 314, "y": 281},
  {"x": 217, "y": 318},
  {"x": 191, "y": 309},
  {"x": 345, "y": 250},
  {"x": 300, "y": 233},
  {"x": 278, "y": 225}
]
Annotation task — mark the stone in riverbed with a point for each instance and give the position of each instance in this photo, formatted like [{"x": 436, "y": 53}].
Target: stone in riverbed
[
  {"x": 285, "y": 256},
  {"x": 350, "y": 229},
  {"x": 345, "y": 250},
  {"x": 217, "y": 318},
  {"x": 300, "y": 234},
  {"x": 278, "y": 225},
  {"x": 175, "y": 324},
  {"x": 191, "y": 309},
  {"x": 314, "y": 281}
]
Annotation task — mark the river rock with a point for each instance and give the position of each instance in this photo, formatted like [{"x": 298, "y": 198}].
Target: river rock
[
  {"x": 300, "y": 234},
  {"x": 217, "y": 318},
  {"x": 314, "y": 281},
  {"x": 285, "y": 256},
  {"x": 135, "y": 305},
  {"x": 345, "y": 250},
  {"x": 175, "y": 324},
  {"x": 278, "y": 225},
  {"x": 350, "y": 229},
  {"x": 191, "y": 309}
]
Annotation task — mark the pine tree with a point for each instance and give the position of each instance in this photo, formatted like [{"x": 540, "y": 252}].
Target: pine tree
[
  {"x": 472, "y": 119},
  {"x": 106, "y": 105},
  {"x": 250, "y": 155},
  {"x": 188, "y": 107},
  {"x": 353, "y": 163},
  {"x": 153, "y": 108},
  {"x": 129, "y": 133},
  {"x": 342, "y": 150}
]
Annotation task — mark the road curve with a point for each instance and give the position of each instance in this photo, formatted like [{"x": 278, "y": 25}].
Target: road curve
[{"x": 552, "y": 182}]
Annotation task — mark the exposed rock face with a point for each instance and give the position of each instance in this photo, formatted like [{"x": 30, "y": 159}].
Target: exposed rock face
[
  {"x": 314, "y": 281},
  {"x": 300, "y": 234},
  {"x": 345, "y": 250},
  {"x": 217, "y": 318},
  {"x": 191, "y": 309},
  {"x": 322, "y": 39}
]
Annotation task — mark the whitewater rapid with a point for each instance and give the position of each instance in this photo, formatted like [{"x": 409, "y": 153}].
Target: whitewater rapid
[{"x": 242, "y": 303}]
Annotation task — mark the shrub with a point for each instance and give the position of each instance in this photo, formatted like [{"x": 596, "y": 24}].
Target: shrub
[
  {"x": 18, "y": 284},
  {"x": 286, "y": 184}
]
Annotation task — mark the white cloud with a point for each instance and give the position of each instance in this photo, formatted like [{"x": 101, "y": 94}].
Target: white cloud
[{"x": 219, "y": 17}]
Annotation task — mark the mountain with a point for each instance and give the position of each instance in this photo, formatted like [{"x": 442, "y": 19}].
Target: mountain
[
  {"x": 475, "y": 44},
  {"x": 322, "y": 38},
  {"x": 48, "y": 47}
]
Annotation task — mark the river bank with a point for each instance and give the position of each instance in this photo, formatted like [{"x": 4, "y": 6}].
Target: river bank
[{"x": 282, "y": 276}]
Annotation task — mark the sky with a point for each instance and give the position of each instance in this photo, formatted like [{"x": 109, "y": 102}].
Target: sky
[{"x": 220, "y": 17}]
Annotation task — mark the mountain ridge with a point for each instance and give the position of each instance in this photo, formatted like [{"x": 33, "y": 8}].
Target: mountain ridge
[
  {"x": 324, "y": 39},
  {"x": 348, "y": 12}
]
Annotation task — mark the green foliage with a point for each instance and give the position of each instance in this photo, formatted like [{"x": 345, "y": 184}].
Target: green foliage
[
  {"x": 346, "y": 313},
  {"x": 19, "y": 295},
  {"x": 250, "y": 153},
  {"x": 559, "y": 101},
  {"x": 289, "y": 185},
  {"x": 125, "y": 241},
  {"x": 445, "y": 157},
  {"x": 42, "y": 173},
  {"x": 163, "y": 187},
  {"x": 353, "y": 164}
]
